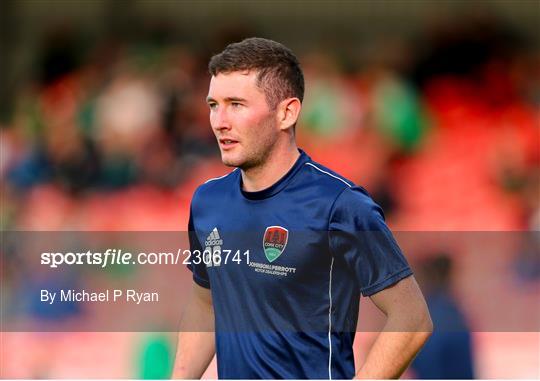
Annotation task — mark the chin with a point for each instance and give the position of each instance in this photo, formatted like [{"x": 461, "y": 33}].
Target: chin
[{"x": 230, "y": 160}]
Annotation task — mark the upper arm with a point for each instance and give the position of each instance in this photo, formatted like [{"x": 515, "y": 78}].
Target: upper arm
[
  {"x": 404, "y": 301},
  {"x": 199, "y": 313},
  {"x": 202, "y": 294}
]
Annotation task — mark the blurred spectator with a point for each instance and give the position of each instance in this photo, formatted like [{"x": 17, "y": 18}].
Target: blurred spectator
[
  {"x": 155, "y": 357},
  {"x": 449, "y": 352}
]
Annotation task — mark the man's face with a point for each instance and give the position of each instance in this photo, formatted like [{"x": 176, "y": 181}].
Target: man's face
[{"x": 245, "y": 126}]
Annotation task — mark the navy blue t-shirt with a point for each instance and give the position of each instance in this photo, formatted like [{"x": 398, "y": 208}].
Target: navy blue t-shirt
[{"x": 286, "y": 267}]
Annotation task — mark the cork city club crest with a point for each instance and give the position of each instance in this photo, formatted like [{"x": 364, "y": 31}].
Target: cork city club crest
[{"x": 274, "y": 242}]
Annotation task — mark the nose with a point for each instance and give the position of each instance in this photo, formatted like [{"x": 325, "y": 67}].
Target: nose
[{"x": 219, "y": 120}]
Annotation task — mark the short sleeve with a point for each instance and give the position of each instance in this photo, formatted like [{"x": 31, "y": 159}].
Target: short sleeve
[
  {"x": 200, "y": 275},
  {"x": 359, "y": 234}
]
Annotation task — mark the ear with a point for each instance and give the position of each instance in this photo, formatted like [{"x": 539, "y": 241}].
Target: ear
[{"x": 289, "y": 110}]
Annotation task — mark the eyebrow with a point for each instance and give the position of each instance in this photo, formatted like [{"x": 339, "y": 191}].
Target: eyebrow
[{"x": 228, "y": 99}]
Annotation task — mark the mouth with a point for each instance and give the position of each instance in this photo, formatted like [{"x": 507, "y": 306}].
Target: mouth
[{"x": 226, "y": 143}]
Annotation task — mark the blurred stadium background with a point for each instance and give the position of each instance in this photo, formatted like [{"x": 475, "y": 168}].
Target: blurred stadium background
[{"x": 433, "y": 106}]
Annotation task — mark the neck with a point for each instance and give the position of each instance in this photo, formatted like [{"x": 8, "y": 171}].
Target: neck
[{"x": 276, "y": 165}]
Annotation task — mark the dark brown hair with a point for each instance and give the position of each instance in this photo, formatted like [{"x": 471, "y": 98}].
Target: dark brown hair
[{"x": 279, "y": 73}]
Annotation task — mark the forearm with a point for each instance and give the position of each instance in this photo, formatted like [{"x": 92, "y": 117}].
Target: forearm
[
  {"x": 196, "y": 340},
  {"x": 393, "y": 351}
]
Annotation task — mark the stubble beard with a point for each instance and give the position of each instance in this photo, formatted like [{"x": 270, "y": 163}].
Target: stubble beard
[{"x": 254, "y": 156}]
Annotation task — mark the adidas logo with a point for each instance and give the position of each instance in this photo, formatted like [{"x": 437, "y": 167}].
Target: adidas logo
[{"x": 213, "y": 239}]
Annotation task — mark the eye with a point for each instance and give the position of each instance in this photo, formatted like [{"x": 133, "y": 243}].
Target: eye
[
  {"x": 212, "y": 105},
  {"x": 236, "y": 104}
]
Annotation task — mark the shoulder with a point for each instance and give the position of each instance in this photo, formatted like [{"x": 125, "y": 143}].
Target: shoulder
[
  {"x": 351, "y": 204},
  {"x": 354, "y": 206},
  {"x": 357, "y": 196},
  {"x": 215, "y": 187},
  {"x": 344, "y": 192},
  {"x": 322, "y": 176}
]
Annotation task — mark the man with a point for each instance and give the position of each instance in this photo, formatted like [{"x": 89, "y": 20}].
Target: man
[{"x": 302, "y": 241}]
